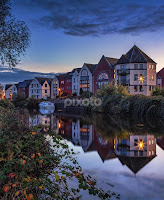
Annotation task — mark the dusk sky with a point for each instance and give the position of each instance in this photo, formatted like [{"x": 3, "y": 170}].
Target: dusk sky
[{"x": 67, "y": 33}]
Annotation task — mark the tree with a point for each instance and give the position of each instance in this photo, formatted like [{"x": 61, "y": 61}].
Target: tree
[{"x": 14, "y": 36}]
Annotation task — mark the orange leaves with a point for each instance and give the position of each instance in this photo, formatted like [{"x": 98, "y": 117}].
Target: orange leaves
[
  {"x": 92, "y": 183},
  {"x": 39, "y": 154},
  {"x": 30, "y": 197},
  {"x": 6, "y": 188},
  {"x": 17, "y": 193},
  {"x": 40, "y": 161},
  {"x": 11, "y": 175},
  {"x": 33, "y": 156},
  {"x": 77, "y": 174},
  {"x": 34, "y": 133},
  {"x": 23, "y": 162}
]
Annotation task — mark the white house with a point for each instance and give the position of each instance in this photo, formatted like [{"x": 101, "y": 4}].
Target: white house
[
  {"x": 55, "y": 87},
  {"x": 40, "y": 88},
  {"x": 10, "y": 90},
  {"x": 86, "y": 78},
  {"x": 75, "y": 81},
  {"x": 137, "y": 71}
]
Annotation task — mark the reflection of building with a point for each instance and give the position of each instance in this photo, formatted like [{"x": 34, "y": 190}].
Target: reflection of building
[
  {"x": 36, "y": 120},
  {"x": 105, "y": 148},
  {"x": 75, "y": 132},
  {"x": 136, "y": 151},
  {"x": 160, "y": 142}
]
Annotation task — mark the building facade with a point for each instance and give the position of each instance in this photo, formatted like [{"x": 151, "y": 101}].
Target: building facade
[
  {"x": 75, "y": 81},
  {"x": 10, "y": 91},
  {"x": 160, "y": 78},
  {"x": 40, "y": 88},
  {"x": 86, "y": 78},
  {"x": 104, "y": 72},
  {"x": 137, "y": 71},
  {"x": 23, "y": 88}
]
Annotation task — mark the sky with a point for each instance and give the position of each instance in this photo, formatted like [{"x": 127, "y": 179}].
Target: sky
[{"x": 67, "y": 33}]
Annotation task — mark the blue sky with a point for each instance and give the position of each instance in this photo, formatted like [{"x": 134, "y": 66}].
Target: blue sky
[{"x": 67, "y": 33}]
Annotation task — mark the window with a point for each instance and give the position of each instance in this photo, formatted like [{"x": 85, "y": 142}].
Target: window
[
  {"x": 153, "y": 66},
  {"x": 150, "y": 88},
  {"x": 135, "y": 66},
  {"x": 152, "y": 141},
  {"x": 102, "y": 76},
  {"x": 74, "y": 80},
  {"x": 84, "y": 72},
  {"x": 135, "y": 77},
  {"x": 135, "y": 88},
  {"x": 123, "y": 68},
  {"x": 136, "y": 142},
  {"x": 45, "y": 85},
  {"x": 31, "y": 85},
  {"x": 141, "y": 88},
  {"x": 152, "y": 153},
  {"x": 135, "y": 153},
  {"x": 149, "y": 153},
  {"x": 151, "y": 77},
  {"x": 45, "y": 91},
  {"x": 32, "y": 91},
  {"x": 37, "y": 85},
  {"x": 149, "y": 142},
  {"x": 141, "y": 66},
  {"x": 149, "y": 66},
  {"x": 62, "y": 82},
  {"x": 37, "y": 91},
  {"x": 141, "y": 153}
]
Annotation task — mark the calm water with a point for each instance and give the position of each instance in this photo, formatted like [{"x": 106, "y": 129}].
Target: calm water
[{"x": 125, "y": 156}]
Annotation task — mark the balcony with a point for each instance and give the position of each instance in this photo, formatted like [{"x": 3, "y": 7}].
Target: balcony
[
  {"x": 124, "y": 82},
  {"x": 123, "y": 72}
]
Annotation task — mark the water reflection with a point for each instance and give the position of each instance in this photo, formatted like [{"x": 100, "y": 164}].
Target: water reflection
[{"x": 131, "y": 143}]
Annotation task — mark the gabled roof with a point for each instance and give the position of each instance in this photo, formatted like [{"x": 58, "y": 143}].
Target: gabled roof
[
  {"x": 7, "y": 86},
  {"x": 42, "y": 80},
  {"x": 24, "y": 84},
  {"x": 135, "y": 55},
  {"x": 135, "y": 164},
  {"x": 112, "y": 61},
  {"x": 91, "y": 67},
  {"x": 76, "y": 69}
]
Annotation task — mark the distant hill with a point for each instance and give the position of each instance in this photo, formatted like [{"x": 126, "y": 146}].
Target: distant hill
[{"x": 8, "y": 75}]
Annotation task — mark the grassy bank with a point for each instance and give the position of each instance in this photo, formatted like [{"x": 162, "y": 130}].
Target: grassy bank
[{"x": 117, "y": 101}]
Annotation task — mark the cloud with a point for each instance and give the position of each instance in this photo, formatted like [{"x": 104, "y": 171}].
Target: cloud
[
  {"x": 101, "y": 17},
  {"x": 8, "y": 75}
]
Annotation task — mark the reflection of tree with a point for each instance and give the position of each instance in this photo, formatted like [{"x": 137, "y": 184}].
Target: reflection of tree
[{"x": 108, "y": 126}]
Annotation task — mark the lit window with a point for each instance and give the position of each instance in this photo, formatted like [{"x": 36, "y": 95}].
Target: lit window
[
  {"x": 149, "y": 153},
  {"x": 149, "y": 142},
  {"x": 135, "y": 88},
  {"x": 152, "y": 141},
  {"x": 103, "y": 76},
  {"x": 152, "y": 153}
]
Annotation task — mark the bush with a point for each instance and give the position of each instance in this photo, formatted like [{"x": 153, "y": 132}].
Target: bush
[
  {"x": 6, "y": 104},
  {"x": 31, "y": 169},
  {"x": 32, "y": 103}
]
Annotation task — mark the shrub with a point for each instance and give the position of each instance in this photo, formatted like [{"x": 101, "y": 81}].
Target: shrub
[
  {"x": 32, "y": 103},
  {"x": 6, "y": 104},
  {"x": 31, "y": 169}
]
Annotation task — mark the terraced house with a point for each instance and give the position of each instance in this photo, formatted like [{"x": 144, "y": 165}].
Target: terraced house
[
  {"x": 40, "y": 88},
  {"x": 137, "y": 71}
]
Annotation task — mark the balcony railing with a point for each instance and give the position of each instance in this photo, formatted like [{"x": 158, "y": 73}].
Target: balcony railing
[
  {"x": 124, "y": 82},
  {"x": 123, "y": 71}
]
